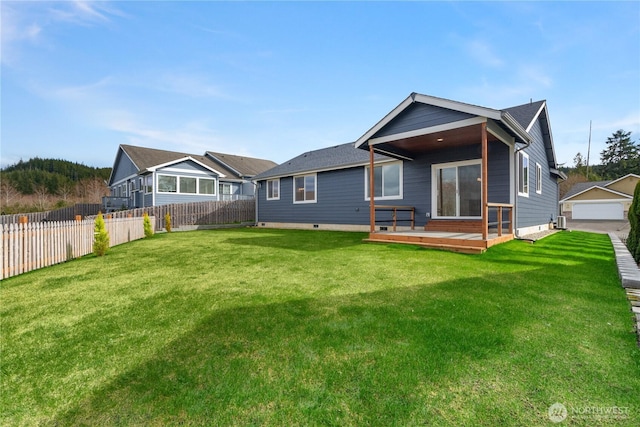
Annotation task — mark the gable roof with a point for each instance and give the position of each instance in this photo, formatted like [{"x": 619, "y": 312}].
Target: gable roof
[
  {"x": 526, "y": 114},
  {"x": 148, "y": 159},
  {"x": 597, "y": 187},
  {"x": 503, "y": 117},
  {"x": 337, "y": 157},
  {"x": 582, "y": 187},
  {"x": 243, "y": 166}
]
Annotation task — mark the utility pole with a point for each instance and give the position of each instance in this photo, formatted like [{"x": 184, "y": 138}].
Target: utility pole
[{"x": 588, "y": 150}]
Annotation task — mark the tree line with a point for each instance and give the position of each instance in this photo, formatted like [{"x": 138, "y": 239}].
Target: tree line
[
  {"x": 620, "y": 157},
  {"x": 42, "y": 184}
]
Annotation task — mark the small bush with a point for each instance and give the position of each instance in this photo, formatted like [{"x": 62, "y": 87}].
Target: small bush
[
  {"x": 633, "y": 240},
  {"x": 148, "y": 230},
  {"x": 167, "y": 222},
  {"x": 100, "y": 237}
]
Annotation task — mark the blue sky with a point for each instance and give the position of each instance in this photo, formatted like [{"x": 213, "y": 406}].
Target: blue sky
[{"x": 275, "y": 79}]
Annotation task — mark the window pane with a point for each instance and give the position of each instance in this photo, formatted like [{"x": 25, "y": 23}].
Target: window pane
[
  {"x": 187, "y": 185},
  {"x": 299, "y": 185},
  {"x": 167, "y": 184},
  {"x": 310, "y": 187},
  {"x": 391, "y": 180},
  {"x": 447, "y": 192},
  {"x": 470, "y": 189},
  {"x": 377, "y": 181},
  {"x": 273, "y": 189},
  {"x": 207, "y": 186},
  {"x": 148, "y": 187}
]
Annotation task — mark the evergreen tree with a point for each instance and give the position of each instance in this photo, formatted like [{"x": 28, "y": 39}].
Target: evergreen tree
[
  {"x": 101, "y": 237},
  {"x": 621, "y": 157}
]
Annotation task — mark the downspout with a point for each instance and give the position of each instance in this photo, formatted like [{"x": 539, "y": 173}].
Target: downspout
[{"x": 255, "y": 195}]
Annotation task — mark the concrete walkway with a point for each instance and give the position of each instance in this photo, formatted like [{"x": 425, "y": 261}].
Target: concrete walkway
[
  {"x": 629, "y": 276},
  {"x": 620, "y": 228}
]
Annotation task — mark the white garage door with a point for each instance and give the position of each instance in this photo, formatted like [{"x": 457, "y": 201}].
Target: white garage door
[{"x": 598, "y": 211}]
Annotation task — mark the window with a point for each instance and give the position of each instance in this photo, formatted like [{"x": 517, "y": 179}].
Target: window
[
  {"x": 273, "y": 189},
  {"x": 304, "y": 189},
  {"x": 538, "y": 178},
  {"x": 187, "y": 185},
  {"x": 387, "y": 181},
  {"x": 207, "y": 186},
  {"x": 457, "y": 189},
  {"x": 523, "y": 174},
  {"x": 148, "y": 184},
  {"x": 167, "y": 184}
]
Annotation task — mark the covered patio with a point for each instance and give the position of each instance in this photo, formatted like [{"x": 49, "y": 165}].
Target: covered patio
[{"x": 470, "y": 227}]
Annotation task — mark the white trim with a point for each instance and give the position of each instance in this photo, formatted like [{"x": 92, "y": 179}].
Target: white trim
[
  {"x": 608, "y": 190},
  {"x": 582, "y": 202},
  {"x": 520, "y": 167},
  {"x": 434, "y": 188},
  {"x": 538, "y": 178},
  {"x": 401, "y": 180},
  {"x": 123, "y": 180},
  {"x": 184, "y": 171},
  {"x": 178, "y": 191},
  {"x": 267, "y": 192},
  {"x": 621, "y": 178},
  {"x": 315, "y": 188},
  {"x": 184, "y": 159},
  {"x": 385, "y": 120},
  {"x": 427, "y": 131},
  {"x": 458, "y": 106},
  {"x": 535, "y": 117},
  {"x": 512, "y": 178}
]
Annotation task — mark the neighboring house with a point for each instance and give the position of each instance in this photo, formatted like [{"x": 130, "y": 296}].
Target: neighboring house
[
  {"x": 429, "y": 157},
  {"x": 148, "y": 177},
  {"x": 600, "y": 200}
]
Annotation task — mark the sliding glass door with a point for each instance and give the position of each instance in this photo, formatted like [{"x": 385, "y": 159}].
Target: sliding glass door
[{"x": 458, "y": 189}]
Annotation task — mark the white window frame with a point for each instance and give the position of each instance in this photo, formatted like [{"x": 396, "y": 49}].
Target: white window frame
[
  {"x": 434, "y": 187},
  {"x": 168, "y": 192},
  {"x": 275, "y": 183},
  {"x": 215, "y": 182},
  {"x": 148, "y": 184},
  {"x": 400, "y": 196},
  {"x": 523, "y": 184},
  {"x": 315, "y": 188},
  {"x": 538, "y": 178}
]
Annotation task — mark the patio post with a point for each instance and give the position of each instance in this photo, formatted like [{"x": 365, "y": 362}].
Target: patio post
[
  {"x": 485, "y": 182},
  {"x": 372, "y": 208}
]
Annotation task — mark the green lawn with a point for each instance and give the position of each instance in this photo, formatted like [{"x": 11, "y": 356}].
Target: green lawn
[{"x": 270, "y": 327}]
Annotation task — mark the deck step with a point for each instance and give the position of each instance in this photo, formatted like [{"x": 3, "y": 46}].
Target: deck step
[{"x": 442, "y": 246}]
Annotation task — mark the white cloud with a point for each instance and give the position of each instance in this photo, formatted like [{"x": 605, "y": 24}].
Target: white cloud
[{"x": 484, "y": 53}]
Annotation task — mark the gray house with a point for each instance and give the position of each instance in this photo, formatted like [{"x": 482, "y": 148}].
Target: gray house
[
  {"x": 435, "y": 169},
  {"x": 148, "y": 177}
]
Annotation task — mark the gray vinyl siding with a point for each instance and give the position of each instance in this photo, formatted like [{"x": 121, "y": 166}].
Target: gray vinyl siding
[
  {"x": 419, "y": 116},
  {"x": 123, "y": 168},
  {"x": 340, "y": 197},
  {"x": 538, "y": 208}
]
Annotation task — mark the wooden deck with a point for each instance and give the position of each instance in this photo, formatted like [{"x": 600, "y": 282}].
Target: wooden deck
[{"x": 471, "y": 243}]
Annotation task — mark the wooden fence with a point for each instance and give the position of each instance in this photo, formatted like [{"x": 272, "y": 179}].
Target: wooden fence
[
  {"x": 199, "y": 213},
  {"x": 63, "y": 214},
  {"x": 30, "y": 246}
]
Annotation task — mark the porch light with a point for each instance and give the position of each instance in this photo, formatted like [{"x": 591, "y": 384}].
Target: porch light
[{"x": 440, "y": 139}]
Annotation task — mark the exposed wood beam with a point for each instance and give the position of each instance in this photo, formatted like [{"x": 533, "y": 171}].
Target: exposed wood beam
[
  {"x": 372, "y": 208},
  {"x": 485, "y": 182}
]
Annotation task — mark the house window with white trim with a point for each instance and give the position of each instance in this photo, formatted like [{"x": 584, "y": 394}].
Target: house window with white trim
[
  {"x": 167, "y": 184},
  {"x": 538, "y": 178},
  {"x": 187, "y": 185},
  {"x": 207, "y": 186},
  {"x": 387, "y": 181},
  {"x": 304, "y": 189},
  {"x": 148, "y": 184},
  {"x": 273, "y": 189},
  {"x": 523, "y": 174}
]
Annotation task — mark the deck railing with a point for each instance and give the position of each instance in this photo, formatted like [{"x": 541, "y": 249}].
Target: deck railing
[{"x": 500, "y": 209}]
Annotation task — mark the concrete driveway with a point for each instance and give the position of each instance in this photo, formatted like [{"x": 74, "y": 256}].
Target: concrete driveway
[{"x": 621, "y": 228}]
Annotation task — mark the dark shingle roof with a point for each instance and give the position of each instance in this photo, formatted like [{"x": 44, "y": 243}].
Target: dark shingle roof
[
  {"x": 245, "y": 166},
  {"x": 582, "y": 186},
  {"x": 343, "y": 155},
  {"x": 525, "y": 113},
  {"x": 238, "y": 167}
]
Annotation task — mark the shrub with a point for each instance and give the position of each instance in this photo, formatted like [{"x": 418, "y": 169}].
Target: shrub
[
  {"x": 100, "y": 237},
  {"x": 148, "y": 230},
  {"x": 167, "y": 222},
  {"x": 633, "y": 240}
]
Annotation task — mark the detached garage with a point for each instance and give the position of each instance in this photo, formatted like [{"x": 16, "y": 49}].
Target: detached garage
[{"x": 601, "y": 200}]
